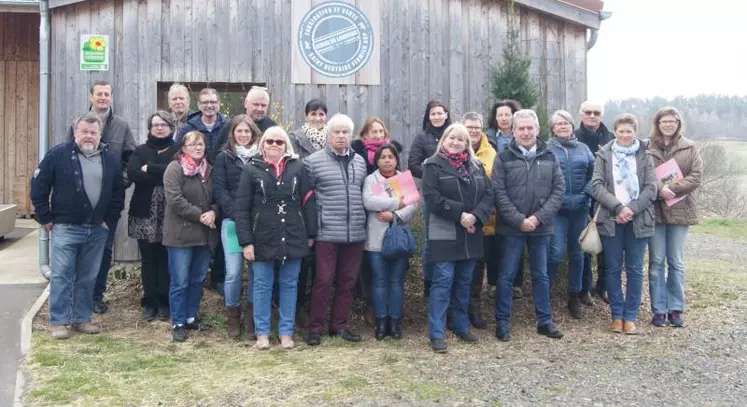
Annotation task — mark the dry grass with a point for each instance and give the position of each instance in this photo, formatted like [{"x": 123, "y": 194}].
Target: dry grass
[{"x": 135, "y": 363}]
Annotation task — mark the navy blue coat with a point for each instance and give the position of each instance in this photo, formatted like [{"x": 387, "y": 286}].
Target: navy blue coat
[
  {"x": 577, "y": 164},
  {"x": 213, "y": 139},
  {"x": 226, "y": 176},
  {"x": 60, "y": 175}
]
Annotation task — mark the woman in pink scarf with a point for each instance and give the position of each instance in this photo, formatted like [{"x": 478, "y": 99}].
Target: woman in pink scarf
[{"x": 372, "y": 136}]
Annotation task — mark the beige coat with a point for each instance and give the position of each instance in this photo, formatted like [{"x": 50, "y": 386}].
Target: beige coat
[{"x": 685, "y": 153}]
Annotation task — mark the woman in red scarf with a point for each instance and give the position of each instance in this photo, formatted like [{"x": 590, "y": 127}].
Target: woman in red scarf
[
  {"x": 372, "y": 136},
  {"x": 188, "y": 230}
]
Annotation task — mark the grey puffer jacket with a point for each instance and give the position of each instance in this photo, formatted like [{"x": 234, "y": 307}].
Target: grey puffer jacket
[
  {"x": 603, "y": 192},
  {"x": 337, "y": 181}
]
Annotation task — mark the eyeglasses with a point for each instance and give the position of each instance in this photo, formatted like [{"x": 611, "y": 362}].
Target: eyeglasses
[
  {"x": 278, "y": 143},
  {"x": 157, "y": 125},
  {"x": 562, "y": 124},
  {"x": 209, "y": 102},
  {"x": 593, "y": 113},
  {"x": 474, "y": 128},
  {"x": 668, "y": 122},
  {"x": 195, "y": 145}
]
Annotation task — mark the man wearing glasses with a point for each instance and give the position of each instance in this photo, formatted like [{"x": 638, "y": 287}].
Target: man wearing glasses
[
  {"x": 594, "y": 134},
  {"x": 208, "y": 120}
]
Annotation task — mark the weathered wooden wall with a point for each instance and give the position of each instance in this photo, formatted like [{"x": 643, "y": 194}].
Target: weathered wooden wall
[
  {"x": 428, "y": 49},
  {"x": 19, "y": 107}
]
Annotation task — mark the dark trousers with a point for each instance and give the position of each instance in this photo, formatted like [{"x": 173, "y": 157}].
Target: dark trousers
[
  {"x": 305, "y": 279},
  {"x": 338, "y": 264},
  {"x": 489, "y": 264},
  {"x": 154, "y": 274},
  {"x": 106, "y": 263},
  {"x": 218, "y": 262}
]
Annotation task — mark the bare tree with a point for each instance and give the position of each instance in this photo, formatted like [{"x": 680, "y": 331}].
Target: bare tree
[{"x": 723, "y": 193}]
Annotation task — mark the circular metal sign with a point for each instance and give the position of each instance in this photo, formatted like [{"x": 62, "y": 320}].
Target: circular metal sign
[{"x": 335, "y": 39}]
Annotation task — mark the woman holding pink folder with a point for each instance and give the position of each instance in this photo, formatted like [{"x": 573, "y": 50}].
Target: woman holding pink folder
[
  {"x": 388, "y": 274},
  {"x": 679, "y": 171}
]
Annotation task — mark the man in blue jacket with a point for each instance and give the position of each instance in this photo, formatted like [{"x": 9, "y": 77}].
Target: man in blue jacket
[{"x": 78, "y": 195}]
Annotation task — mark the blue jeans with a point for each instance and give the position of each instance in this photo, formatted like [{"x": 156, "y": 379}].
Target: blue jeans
[
  {"x": 106, "y": 264},
  {"x": 428, "y": 267},
  {"x": 76, "y": 259},
  {"x": 264, "y": 276},
  {"x": 188, "y": 268},
  {"x": 388, "y": 284},
  {"x": 624, "y": 247},
  {"x": 442, "y": 297},
  {"x": 234, "y": 273},
  {"x": 667, "y": 289},
  {"x": 513, "y": 250},
  {"x": 568, "y": 227}
]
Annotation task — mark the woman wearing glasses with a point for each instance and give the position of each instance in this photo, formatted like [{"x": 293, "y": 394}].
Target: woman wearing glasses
[
  {"x": 145, "y": 223},
  {"x": 241, "y": 146},
  {"x": 188, "y": 230},
  {"x": 275, "y": 216}
]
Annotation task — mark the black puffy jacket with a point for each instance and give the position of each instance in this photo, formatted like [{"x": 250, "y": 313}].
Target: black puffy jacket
[{"x": 277, "y": 216}]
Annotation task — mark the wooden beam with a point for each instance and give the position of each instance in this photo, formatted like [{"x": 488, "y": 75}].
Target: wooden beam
[
  {"x": 564, "y": 11},
  {"x": 19, "y": 9},
  {"x": 60, "y": 3}
]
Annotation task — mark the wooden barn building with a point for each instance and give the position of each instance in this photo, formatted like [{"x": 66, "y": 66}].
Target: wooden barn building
[{"x": 382, "y": 58}]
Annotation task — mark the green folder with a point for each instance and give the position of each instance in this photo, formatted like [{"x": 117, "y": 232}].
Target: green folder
[{"x": 232, "y": 242}]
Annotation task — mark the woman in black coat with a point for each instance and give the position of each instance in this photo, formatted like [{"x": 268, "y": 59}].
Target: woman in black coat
[
  {"x": 145, "y": 169},
  {"x": 460, "y": 201},
  {"x": 275, "y": 214},
  {"x": 242, "y": 144}
]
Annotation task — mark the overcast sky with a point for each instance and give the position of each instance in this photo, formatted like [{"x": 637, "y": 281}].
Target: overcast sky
[{"x": 670, "y": 47}]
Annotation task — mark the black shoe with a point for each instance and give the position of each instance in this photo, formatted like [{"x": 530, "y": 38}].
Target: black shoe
[
  {"x": 475, "y": 313},
  {"x": 149, "y": 313},
  {"x": 503, "y": 334},
  {"x": 550, "y": 331},
  {"x": 467, "y": 336},
  {"x": 196, "y": 325},
  {"x": 574, "y": 305},
  {"x": 426, "y": 288},
  {"x": 100, "y": 307},
  {"x": 395, "y": 328},
  {"x": 163, "y": 313},
  {"x": 178, "y": 333},
  {"x": 381, "y": 329},
  {"x": 313, "y": 339},
  {"x": 347, "y": 335},
  {"x": 439, "y": 345},
  {"x": 586, "y": 299}
]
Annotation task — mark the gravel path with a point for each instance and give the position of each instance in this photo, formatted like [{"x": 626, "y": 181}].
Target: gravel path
[{"x": 704, "y": 364}]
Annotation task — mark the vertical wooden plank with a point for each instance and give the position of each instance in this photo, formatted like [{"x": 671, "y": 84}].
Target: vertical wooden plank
[
  {"x": 189, "y": 32},
  {"x": 261, "y": 49},
  {"x": 58, "y": 78},
  {"x": 213, "y": 30},
  {"x": 145, "y": 55},
  {"x": 456, "y": 58},
  {"x": 153, "y": 75},
  {"x": 569, "y": 56},
  {"x": 580, "y": 71},
  {"x": 370, "y": 74},
  {"x": 4, "y": 19},
  {"x": 9, "y": 127},
  {"x": 286, "y": 38},
  {"x": 21, "y": 130},
  {"x": 415, "y": 61},
  {"x": 117, "y": 51},
  {"x": 438, "y": 44},
  {"x": 396, "y": 34},
  {"x": 11, "y": 38},
  {"x": 165, "y": 40},
  {"x": 233, "y": 47},
  {"x": 4, "y": 168},
  {"x": 176, "y": 39},
  {"x": 554, "y": 70},
  {"x": 252, "y": 48},
  {"x": 278, "y": 80},
  {"x": 301, "y": 72},
  {"x": 32, "y": 119},
  {"x": 129, "y": 69}
]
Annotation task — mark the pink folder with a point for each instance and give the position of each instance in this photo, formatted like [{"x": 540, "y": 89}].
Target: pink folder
[
  {"x": 400, "y": 185},
  {"x": 669, "y": 173}
]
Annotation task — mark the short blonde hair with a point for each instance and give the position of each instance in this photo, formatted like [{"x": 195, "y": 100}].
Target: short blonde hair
[
  {"x": 460, "y": 130},
  {"x": 340, "y": 120},
  {"x": 257, "y": 92},
  {"x": 276, "y": 131}
]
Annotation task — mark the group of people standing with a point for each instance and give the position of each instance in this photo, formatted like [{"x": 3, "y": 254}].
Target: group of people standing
[{"x": 298, "y": 211}]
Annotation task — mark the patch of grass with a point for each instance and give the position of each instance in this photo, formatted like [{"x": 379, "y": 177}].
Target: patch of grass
[
  {"x": 429, "y": 391},
  {"x": 729, "y": 228}
]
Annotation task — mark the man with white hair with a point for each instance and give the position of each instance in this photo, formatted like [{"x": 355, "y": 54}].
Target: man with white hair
[
  {"x": 337, "y": 174},
  {"x": 179, "y": 105},
  {"x": 594, "y": 134},
  {"x": 256, "y": 103},
  {"x": 529, "y": 188},
  {"x": 78, "y": 195}
]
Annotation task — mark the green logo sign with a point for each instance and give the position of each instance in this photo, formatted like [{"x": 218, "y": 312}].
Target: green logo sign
[{"x": 94, "y": 52}]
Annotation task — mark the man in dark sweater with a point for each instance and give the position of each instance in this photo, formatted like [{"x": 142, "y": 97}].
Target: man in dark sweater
[
  {"x": 256, "y": 103},
  {"x": 78, "y": 195},
  {"x": 594, "y": 134},
  {"x": 117, "y": 137}
]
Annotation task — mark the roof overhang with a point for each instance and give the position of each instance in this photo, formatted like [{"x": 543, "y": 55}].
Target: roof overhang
[
  {"x": 583, "y": 12},
  {"x": 19, "y": 6}
]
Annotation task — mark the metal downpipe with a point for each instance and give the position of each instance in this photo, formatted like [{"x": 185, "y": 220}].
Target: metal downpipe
[{"x": 44, "y": 97}]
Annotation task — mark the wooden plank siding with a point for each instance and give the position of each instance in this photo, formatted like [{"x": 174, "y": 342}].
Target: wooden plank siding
[
  {"x": 427, "y": 49},
  {"x": 19, "y": 107}
]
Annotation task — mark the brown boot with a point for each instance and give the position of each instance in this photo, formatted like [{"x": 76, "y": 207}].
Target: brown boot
[
  {"x": 233, "y": 314},
  {"x": 249, "y": 321}
]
